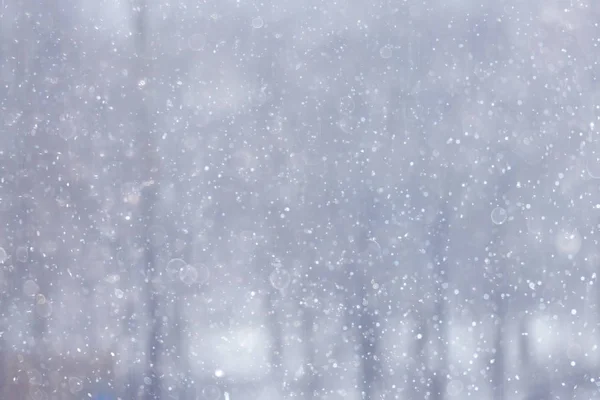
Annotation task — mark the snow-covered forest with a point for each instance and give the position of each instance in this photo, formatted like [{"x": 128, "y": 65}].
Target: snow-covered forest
[{"x": 233, "y": 199}]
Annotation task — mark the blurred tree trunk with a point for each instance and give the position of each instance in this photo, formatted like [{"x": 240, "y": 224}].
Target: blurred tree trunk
[
  {"x": 439, "y": 244},
  {"x": 133, "y": 377},
  {"x": 537, "y": 387},
  {"x": 365, "y": 326},
  {"x": 30, "y": 79},
  {"x": 311, "y": 378},
  {"x": 364, "y": 319},
  {"x": 524, "y": 348},
  {"x": 15, "y": 50},
  {"x": 179, "y": 326},
  {"x": 418, "y": 376},
  {"x": 268, "y": 71},
  {"x": 499, "y": 278},
  {"x": 370, "y": 344},
  {"x": 182, "y": 352},
  {"x": 540, "y": 387},
  {"x": 420, "y": 367},
  {"x": 498, "y": 367},
  {"x": 276, "y": 333},
  {"x": 149, "y": 181}
]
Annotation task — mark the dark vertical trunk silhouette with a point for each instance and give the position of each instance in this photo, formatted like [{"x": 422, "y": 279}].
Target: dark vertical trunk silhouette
[
  {"x": 182, "y": 354},
  {"x": 418, "y": 371},
  {"x": 268, "y": 73},
  {"x": 4, "y": 276},
  {"x": 439, "y": 245},
  {"x": 524, "y": 348},
  {"x": 366, "y": 320},
  {"x": 527, "y": 368},
  {"x": 179, "y": 326},
  {"x": 311, "y": 379},
  {"x": 363, "y": 319},
  {"x": 133, "y": 378},
  {"x": 129, "y": 385},
  {"x": 364, "y": 325},
  {"x": 276, "y": 333},
  {"x": 499, "y": 277},
  {"x": 30, "y": 78},
  {"x": 304, "y": 292},
  {"x": 418, "y": 374},
  {"x": 149, "y": 170},
  {"x": 498, "y": 367},
  {"x": 540, "y": 387},
  {"x": 501, "y": 310},
  {"x": 369, "y": 347},
  {"x": 14, "y": 275}
]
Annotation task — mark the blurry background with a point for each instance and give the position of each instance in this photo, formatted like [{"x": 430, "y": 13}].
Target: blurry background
[{"x": 299, "y": 199}]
